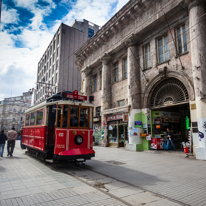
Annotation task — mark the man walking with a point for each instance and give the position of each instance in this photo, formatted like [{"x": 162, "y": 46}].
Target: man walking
[
  {"x": 11, "y": 135},
  {"x": 170, "y": 139}
]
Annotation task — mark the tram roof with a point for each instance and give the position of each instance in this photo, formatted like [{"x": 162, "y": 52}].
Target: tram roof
[{"x": 44, "y": 104}]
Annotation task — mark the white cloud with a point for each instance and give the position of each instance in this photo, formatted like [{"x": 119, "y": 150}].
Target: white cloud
[
  {"x": 97, "y": 11},
  {"x": 18, "y": 66},
  {"x": 9, "y": 16}
]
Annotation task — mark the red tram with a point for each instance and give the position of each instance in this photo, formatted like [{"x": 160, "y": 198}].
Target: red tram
[{"x": 60, "y": 128}]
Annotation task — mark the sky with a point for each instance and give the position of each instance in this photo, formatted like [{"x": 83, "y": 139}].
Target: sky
[{"x": 28, "y": 26}]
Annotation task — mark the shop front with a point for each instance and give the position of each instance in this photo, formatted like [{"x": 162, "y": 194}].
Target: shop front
[
  {"x": 177, "y": 119},
  {"x": 97, "y": 131},
  {"x": 117, "y": 130}
]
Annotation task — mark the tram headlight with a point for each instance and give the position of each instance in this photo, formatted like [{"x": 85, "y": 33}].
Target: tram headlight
[{"x": 78, "y": 139}]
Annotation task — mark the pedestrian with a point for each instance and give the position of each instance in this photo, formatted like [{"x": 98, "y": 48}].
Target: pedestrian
[
  {"x": 11, "y": 136},
  {"x": 3, "y": 139},
  {"x": 170, "y": 138}
]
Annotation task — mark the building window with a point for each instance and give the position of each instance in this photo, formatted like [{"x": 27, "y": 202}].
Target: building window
[
  {"x": 116, "y": 72},
  {"x": 54, "y": 45},
  {"x": 44, "y": 69},
  {"x": 147, "y": 59},
  {"x": 124, "y": 68},
  {"x": 121, "y": 103},
  {"x": 90, "y": 32},
  {"x": 50, "y": 49},
  {"x": 100, "y": 80},
  {"x": 47, "y": 65},
  {"x": 181, "y": 39},
  {"x": 46, "y": 77},
  {"x": 58, "y": 39},
  {"x": 52, "y": 80},
  {"x": 98, "y": 111},
  {"x": 56, "y": 78},
  {"x": 48, "y": 55},
  {"x": 53, "y": 57},
  {"x": 53, "y": 68},
  {"x": 57, "y": 52},
  {"x": 95, "y": 83},
  {"x": 50, "y": 62},
  {"x": 56, "y": 64},
  {"x": 49, "y": 73},
  {"x": 163, "y": 49}
]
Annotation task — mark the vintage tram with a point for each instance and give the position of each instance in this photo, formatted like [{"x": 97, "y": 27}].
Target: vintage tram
[{"x": 60, "y": 128}]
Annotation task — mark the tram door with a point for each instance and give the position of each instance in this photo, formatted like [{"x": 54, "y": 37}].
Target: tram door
[{"x": 51, "y": 125}]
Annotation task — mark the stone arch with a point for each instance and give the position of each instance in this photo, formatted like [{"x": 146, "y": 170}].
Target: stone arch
[{"x": 158, "y": 79}]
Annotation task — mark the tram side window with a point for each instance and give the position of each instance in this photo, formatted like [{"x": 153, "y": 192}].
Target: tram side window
[
  {"x": 33, "y": 119},
  {"x": 84, "y": 117},
  {"x": 91, "y": 117},
  {"x": 39, "y": 119},
  {"x": 27, "y": 120},
  {"x": 65, "y": 115},
  {"x": 59, "y": 116},
  {"x": 74, "y": 114}
]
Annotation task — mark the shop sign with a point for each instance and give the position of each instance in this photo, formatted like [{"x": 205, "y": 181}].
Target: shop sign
[
  {"x": 125, "y": 118},
  {"x": 115, "y": 117},
  {"x": 157, "y": 121},
  {"x": 157, "y": 126},
  {"x": 96, "y": 119},
  {"x": 138, "y": 124},
  {"x": 193, "y": 106}
]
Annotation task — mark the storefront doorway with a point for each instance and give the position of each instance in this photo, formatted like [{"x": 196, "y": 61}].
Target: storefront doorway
[
  {"x": 176, "y": 118},
  {"x": 123, "y": 135},
  {"x": 117, "y": 134},
  {"x": 169, "y": 105}
]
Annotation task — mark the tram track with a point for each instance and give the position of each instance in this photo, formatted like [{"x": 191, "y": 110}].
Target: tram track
[{"x": 102, "y": 186}]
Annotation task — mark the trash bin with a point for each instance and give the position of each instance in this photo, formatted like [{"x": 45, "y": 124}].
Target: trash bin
[{"x": 186, "y": 149}]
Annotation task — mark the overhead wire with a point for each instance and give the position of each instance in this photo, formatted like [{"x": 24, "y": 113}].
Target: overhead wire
[{"x": 139, "y": 56}]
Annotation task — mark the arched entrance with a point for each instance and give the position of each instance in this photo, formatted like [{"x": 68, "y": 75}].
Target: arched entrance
[
  {"x": 169, "y": 92},
  {"x": 169, "y": 104}
]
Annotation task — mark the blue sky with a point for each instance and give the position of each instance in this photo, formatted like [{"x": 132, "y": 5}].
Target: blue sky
[{"x": 27, "y": 27}]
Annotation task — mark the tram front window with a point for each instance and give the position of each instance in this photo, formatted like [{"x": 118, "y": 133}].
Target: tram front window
[
  {"x": 84, "y": 117},
  {"x": 65, "y": 115},
  {"x": 74, "y": 113}
]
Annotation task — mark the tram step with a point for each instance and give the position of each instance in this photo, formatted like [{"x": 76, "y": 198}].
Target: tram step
[{"x": 49, "y": 160}]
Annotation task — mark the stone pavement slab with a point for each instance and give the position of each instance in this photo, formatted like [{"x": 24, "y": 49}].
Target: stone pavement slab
[
  {"x": 167, "y": 174},
  {"x": 25, "y": 180}
]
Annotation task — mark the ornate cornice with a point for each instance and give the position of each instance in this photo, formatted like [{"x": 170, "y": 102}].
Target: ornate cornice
[{"x": 193, "y": 3}]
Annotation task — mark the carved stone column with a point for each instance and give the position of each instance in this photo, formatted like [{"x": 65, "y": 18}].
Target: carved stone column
[
  {"x": 87, "y": 82},
  {"x": 197, "y": 25},
  {"x": 134, "y": 90},
  {"x": 106, "y": 94}
]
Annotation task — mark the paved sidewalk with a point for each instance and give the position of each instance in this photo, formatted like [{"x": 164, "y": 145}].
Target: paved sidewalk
[
  {"x": 168, "y": 174},
  {"x": 26, "y": 181}
]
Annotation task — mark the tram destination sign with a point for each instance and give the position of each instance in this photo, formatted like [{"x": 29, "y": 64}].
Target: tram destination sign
[{"x": 76, "y": 96}]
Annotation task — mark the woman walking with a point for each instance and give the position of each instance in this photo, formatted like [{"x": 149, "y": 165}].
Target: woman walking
[{"x": 3, "y": 139}]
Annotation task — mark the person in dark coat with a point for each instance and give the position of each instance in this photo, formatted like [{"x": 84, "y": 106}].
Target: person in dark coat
[
  {"x": 170, "y": 138},
  {"x": 3, "y": 139}
]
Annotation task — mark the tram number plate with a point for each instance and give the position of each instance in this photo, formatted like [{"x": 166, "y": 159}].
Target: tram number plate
[{"x": 61, "y": 134}]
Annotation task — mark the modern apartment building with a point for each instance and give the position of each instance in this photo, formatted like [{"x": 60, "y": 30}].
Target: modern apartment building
[{"x": 56, "y": 69}]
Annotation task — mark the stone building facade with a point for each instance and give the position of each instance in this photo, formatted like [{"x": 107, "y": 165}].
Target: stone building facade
[
  {"x": 56, "y": 69},
  {"x": 146, "y": 70},
  {"x": 12, "y": 111}
]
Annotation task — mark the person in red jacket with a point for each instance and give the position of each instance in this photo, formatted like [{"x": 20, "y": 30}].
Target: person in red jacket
[{"x": 11, "y": 136}]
